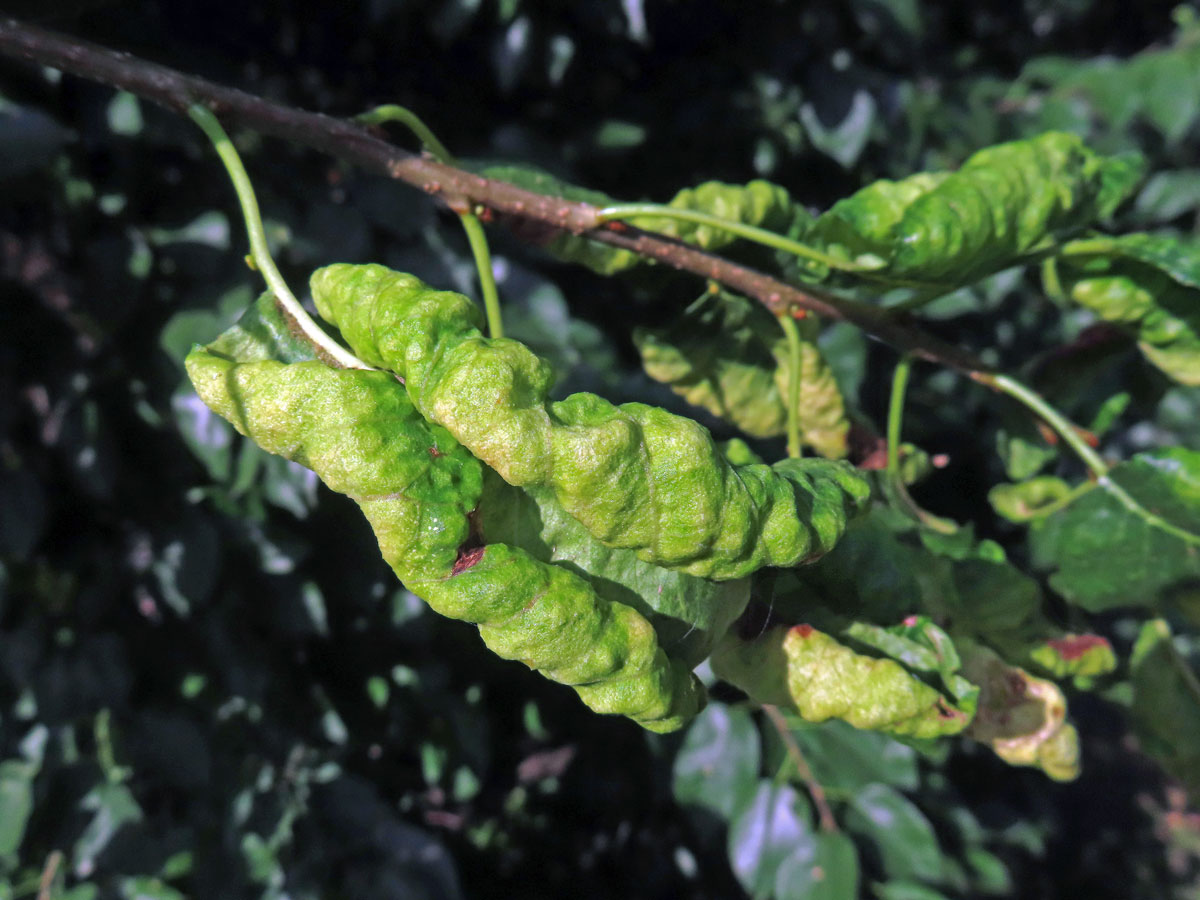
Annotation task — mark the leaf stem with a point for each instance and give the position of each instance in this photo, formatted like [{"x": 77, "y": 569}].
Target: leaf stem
[
  {"x": 1096, "y": 465},
  {"x": 1065, "y": 429},
  {"x": 259, "y": 251},
  {"x": 483, "y": 264},
  {"x": 792, "y": 333},
  {"x": 894, "y": 476},
  {"x": 803, "y": 770},
  {"x": 741, "y": 229},
  {"x": 393, "y": 112}
]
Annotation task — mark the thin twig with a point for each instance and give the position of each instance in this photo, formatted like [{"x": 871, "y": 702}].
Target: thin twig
[
  {"x": 457, "y": 188},
  {"x": 49, "y": 873},
  {"x": 820, "y": 801}
]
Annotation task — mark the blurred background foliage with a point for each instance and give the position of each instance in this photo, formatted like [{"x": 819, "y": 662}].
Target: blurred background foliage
[{"x": 209, "y": 683}]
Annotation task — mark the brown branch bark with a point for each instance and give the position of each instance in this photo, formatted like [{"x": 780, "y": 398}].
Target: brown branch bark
[{"x": 455, "y": 187}]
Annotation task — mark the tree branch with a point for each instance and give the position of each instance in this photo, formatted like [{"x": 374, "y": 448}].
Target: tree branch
[{"x": 458, "y": 188}]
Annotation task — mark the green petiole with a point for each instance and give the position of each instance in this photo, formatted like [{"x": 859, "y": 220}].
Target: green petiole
[
  {"x": 788, "y": 324},
  {"x": 750, "y": 232},
  {"x": 259, "y": 251},
  {"x": 392, "y": 112},
  {"x": 894, "y": 476}
]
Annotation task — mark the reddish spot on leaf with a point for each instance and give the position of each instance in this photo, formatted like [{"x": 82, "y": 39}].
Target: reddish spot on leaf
[
  {"x": 947, "y": 712},
  {"x": 1074, "y": 646},
  {"x": 466, "y": 559},
  {"x": 435, "y": 452},
  {"x": 803, "y": 630},
  {"x": 1016, "y": 685}
]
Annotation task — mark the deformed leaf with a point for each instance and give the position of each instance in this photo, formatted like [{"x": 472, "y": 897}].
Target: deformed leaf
[
  {"x": 1103, "y": 555},
  {"x": 1030, "y": 499},
  {"x": 728, "y": 355},
  {"x": 1166, "y": 703},
  {"x": 418, "y": 487},
  {"x": 1080, "y": 656},
  {"x": 718, "y": 355},
  {"x": 688, "y": 613},
  {"x": 1022, "y": 718},
  {"x": 758, "y": 203},
  {"x": 1149, "y": 284},
  {"x": 636, "y": 476},
  {"x": 810, "y": 671},
  {"x": 1005, "y": 203}
]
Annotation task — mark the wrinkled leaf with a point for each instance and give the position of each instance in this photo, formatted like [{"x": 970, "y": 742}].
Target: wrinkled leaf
[
  {"x": 808, "y": 670},
  {"x": 1149, "y": 284},
  {"x": 690, "y": 614},
  {"x": 358, "y": 430},
  {"x": 1080, "y": 656},
  {"x": 636, "y": 476},
  {"x": 1005, "y": 203},
  {"x": 1022, "y": 718},
  {"x": 727, "y": 354}
]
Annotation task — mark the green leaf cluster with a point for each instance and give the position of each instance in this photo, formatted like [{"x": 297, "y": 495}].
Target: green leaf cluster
[{"x": 574, "y": 605}]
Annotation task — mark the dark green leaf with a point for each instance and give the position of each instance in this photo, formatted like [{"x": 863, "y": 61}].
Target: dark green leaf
[
  {"x": 1166, "y": 703},
  {"x": 845, "y": 758},
  {"x": 717, "y": 764},
  {"x": 16, "y": 803},
  {"x": 765, "y": 833},
  {"x": 1103, "y": 555},
  {"x": 113, "y": 807},
  {"x": 903, "y": 837},
  {"x": 825, "y": 869}
]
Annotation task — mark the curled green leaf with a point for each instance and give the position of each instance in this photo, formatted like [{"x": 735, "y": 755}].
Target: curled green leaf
[
  {"x": 1150, "y": 284},
  {"x": 810, "y": 671},
  {"x": 728, "y": 355},
  {"x": 1079, "y": 656},
  {"x": 418, "y": 487},
  {"x": 759, "y": 203},
  {"x": 636, "y": 477},
  {"x": 1022, "y": 718},
  {"x": 1030, "y": 499},
  {"x": 1006, "y": 203}
]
